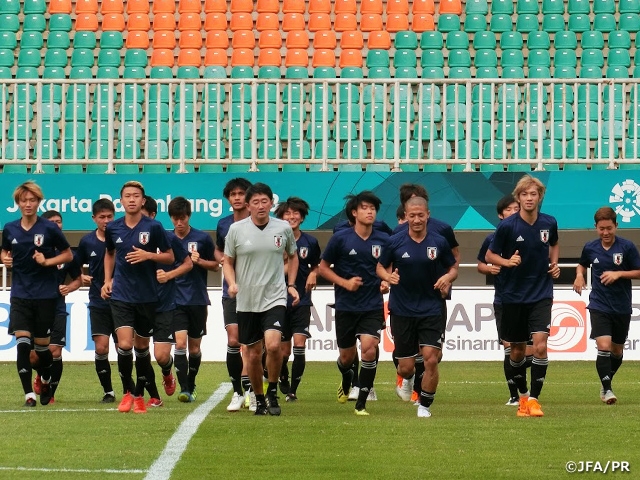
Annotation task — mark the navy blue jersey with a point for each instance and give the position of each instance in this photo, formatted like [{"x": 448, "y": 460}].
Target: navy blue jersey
[
  {"x": 91, "y": 251},
  {"x": 497, "y": 279},
  {"x": 530, "y": 281},
  {"x": 378, "y": 225},
  {"x": 353, "y": 256},
  {"x": 621, "y": 256},
  {"x": 167, "y": 292},
  {"x": 135, "y": 283},
  {"x": 221, "y": 234},
  {"x": 420, "y": 265},
  {"x": 434, "y": 226},
  {"x": 73, "y": 269},
  {"x": 30, "y": 280},
  {"x": 192, "y": 287},
  {"x": 308, "y": 258}
]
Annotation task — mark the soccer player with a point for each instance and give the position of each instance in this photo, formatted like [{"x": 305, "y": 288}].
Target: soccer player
[
  {"x": 506, "y": 207},
  {"x": 32, "y": 248},
  {"x": 234, "y": 191},
  {"x": 614, "y": 262},
  {"x": 354, "y": 254},
  {"x": 412, "y": 262},
  {"x": 526, "y": 246},
  {"x": 298, "y": 318},
  {"x": 59, "y": 330},
  {"x": 135, "y": 243},
  {"x": 192, "y": 299},
  {"x": 163, "y": 326},
  {"x": 91, "y": 251},
  {"x": 253, "y": 267}
]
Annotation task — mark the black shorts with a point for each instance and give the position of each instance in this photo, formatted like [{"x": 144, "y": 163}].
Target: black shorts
[
  {"x": 139, "y": 316},
  {"x": 59, "y": 331},
  {"x": 412, "y": 333},
  {"x": 252, "y": 325},
  {"x": 297, "y": 321},
  {"x": 35, "y": 316},
  {"x": 229, "y": 313},
  {"x": 350, "y": 325},
  {"x": 102, "y": 323},
  {"x": 521, "y": 320},
  {"x": 192, "y": 319},
  {"x": 163, "y": 327},
  {"x": 612, "y": 325}
]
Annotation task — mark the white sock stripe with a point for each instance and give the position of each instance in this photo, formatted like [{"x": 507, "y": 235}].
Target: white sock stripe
[
  {"x": 507, "y": 351},
  {"x": 604, "y": 353},
  {"x": 370, "y": 365},
  {"x": 125, "y": 353},
  {"x": 540, "y": 361},
  {"x": 41, "y": 348},
  {"x": 517, "y": 364},
  {"x": 299, "y": 350},
  {"x": 180, "y": 352},
  {"x": 26, "y": 340},
  {"x": 233, "y": 350},
  {"x": 142, "y": 353},
  {"x": 57, "y": 359}
]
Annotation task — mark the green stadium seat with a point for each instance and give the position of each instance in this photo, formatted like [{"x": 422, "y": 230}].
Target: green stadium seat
[
  {"x": 618, "y": 57},
  {"x": 533, "y": 92},
  {"x": 424, "y": 131},
  {"x": 553, "y": 22},
  {"x": 34, "y": 6},
  {"x": 84, "y": 39},
  {"x": 135, "y": 57},
  {"x": 17, "y": 150},
  {"x": 372, "y": 131},
  {"x": 587, "y": 130},
  {"x": 291, "y": 131},
  {"x": 448, "y": 23},
  {"x": 539, "y": 72},
  {"x": 487, "y": 72},
  {"x": 588, "y": 111},
  {"x": 486, "y": 58},
  {"x": 432, "y": 72},
  {"x": 185, "y": 149},
  {"x": 565, "y": 57},
  {"x": 432, "y": 58},
  {"x": 527, "y": 23},
  {"x": 459, "y": 72},
  {"x": 500, "y": 23},
  {"x": 19, "y": 130},
  {"x": 355, "y": 149},
  {"x": 512, "y": 58},
  {"x": 538, "y": 58},
  {"x": 476, "y": 6},
  {"x": 456, "y": 40},
  {"x": 538, "y": 41},
  {"x": 579, "y": 22},
  {"x": 51, "y": 131},
  {"x": 592, "y": 57},
  {"x": 58, "y": 40},
  {"x": 299, "y": 149},
  {"x": 495, "y": 149},
  {"x": 82, "y": 57},
  {"x": 411, "y": 149},
  {"x": 405, "y": 58},
  {"x": 509, "y": 93},
  {"x": 60, "y": 22},
  {"x": 511, "y": 40},
  {"x": 406, "y": 39},
  {"x": 55, "y": 57},
  {"x": 523, "y": 149},
  {"x": 34, "y": 22},
  {"x": 459, "y": 58},
  {"x": 606, "y": 148},
  {"x": 629, "y": 22},
  {"x": 508, "y": 111},
  {"x": 617, "y": 71},
  {"x": 109, "y": 58},
  {"x": 470, "y": 152},
  {"x": 502, "y": 7},
  {"x": 604, "y": 6},
  {"x": 482, "y": 40},
  {"x": 7, "y": 58},
  {"x": 379, "y": 72},
  {"x": 73, "y": 149},
  {"x": 111, "y": 40},
  {"x": 326, "y": 150},
  {"x": 453, "y": 130},
  {"x": 29, "y": 57},
  {"x": 402, "y": 129},
  {"x": 431, "y": 40},
  {"x": 604, "y": 22},
  {"x": 535, "y": 131},
  {"x": 345, "y": 131},
  {"x": 553, "y": 6},
  {"x": 9, "y": 22},
  {"x": 383, "y": 150},
  {"x": 592, "y": 39},
  {"x": 406, "y": 72},
  {"x": 8, "y": 40},
  {"x": 552, "y": 149},
  {"x": 21, "y": 111},
  {"x": 128, "y": 149},
  {"x": 72, "y": 131},
  {"x": 507, "y": 131},
  {"x": 579, "y": 6},
  {"x": 590, "y": 71},
  {"x": 475, "y": 22},
  {"x": 31, "y": 40},
  {"x": 527, "y": 7},
  {"x": 619, "y": 39},
  {"x": 613, "y": 129},
  {"x": 10, "y": 6},
  {"x": 480, "y": 131}
]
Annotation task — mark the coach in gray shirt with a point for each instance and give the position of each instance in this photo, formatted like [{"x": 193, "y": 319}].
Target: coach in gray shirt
[{"x": 253, "y": 267}]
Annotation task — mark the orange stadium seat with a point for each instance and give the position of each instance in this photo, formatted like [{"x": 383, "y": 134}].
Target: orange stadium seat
[
  {"x": 296, "y": 57},
  {"x": 60, "y": 6},
  {"x": 164, "y": 21},
  {"x": 319, "y": 6},
  {"x": 398, "y": 6},
  {"x": 423, "y": 6},
  {"x": 190, "y": 39},
  {"x": 268, "y": 6},
  {"x": 87, "y": 22},
  {"x": 352, "y": 40},
  {"x": 319, "y": 22},
  {"x": 139, "y": 21},
  {"x": 325, "y": 39},
  {"x": 453, "y": 7},
  {"x": 189, "y": 6},
  {"x": 189, "y": 57},
  {"x": 345, "y": 6},
  {"x": 350, "y": 58},
  {"x": 267, "y": 21},
  {"x": 323, "y": 58},
  {"x": 371, "y": 6},
  {"x": 273, "y": 39},
  {"x": 164, "y": 39},
  {"x": 245, "y": 6},
  {"x": 371, "y": 22},
  {"x": 379, "y": 40},
  {"x": 138, "y": 6},
  {"x": 243, "y": 39},
  {"x": 216, "y": 57},
  {"x": 111, "y": 6},
  {"x": 189, "y": 21},
  {"x": 218, "y": 6},
  {"x": 295, "y": 6},
  {"x": 162, "y": 57},
  {"x": 242, "y": 57},
  {"x": 113, "y": 22},
  {"x": 294, "y": 21},
  {"x": 217, "y": 39},
  {"x": 397, "y": 22},
  {"x": 86, "y": 6},
  {"x": 241, "y": 21},
  {"x": 345, "y": 22},
  {"x": 215, "y": 21},
  {"x": 269, "y": 57},
  {"x": 423, "y": 22},
  {"x": 165, "y": 6},
  {"x": 138, "y": 40}
]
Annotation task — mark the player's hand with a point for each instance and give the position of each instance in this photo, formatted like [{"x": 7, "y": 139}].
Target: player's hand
[
  {"x": 353, "y": 284},
  {"x": 39, "y": 258},
  {"x": 195, "y": 257},
  {"x": 554, "y": 270},
  {"x": 137, "y": 256},
  {"x": 105, "y": 292},
  {"x": 384, "y": 287},
  {"x": 311, "y": 282},
  {"x": 394, "y": 278},
  {"x": 607, "y": 278},
  {"x": 515, "y": 260},
  {"x": 161, "y": 276},
  {"x": 444, "y": 293},
  {"x": 86, "y": 280},
  {"x": 233, "y": 290},
  {"x": 443, "y": 283},
  {"x": 8, "y": 260},
  {"x": 64, "y": 290},
  {"x": 294, "y": 295},
  {"x": 578, "y": 285},
  {"x": 495, "y": 269}
]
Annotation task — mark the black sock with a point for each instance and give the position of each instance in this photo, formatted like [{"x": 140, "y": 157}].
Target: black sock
[
  {"x": 103, "y": 369},
  {"x": 194, "y": 367},
  {"x": 23, "y": 363},
  {"x": 355, "y": 381},
  {"x": 395, "y": 359},
  {"x": 125, "y": 368},
  {"x": 182, "y": 368},
  {"x": 347, "y": 374},
  {"x": 538, "y": 372},
  {"x": 272, "y": 389},
  {"x": 260, "y": 400},
  {"x": 528, "y": 361},
  {"x": 284, "y": 370},
  {"x": 265, "y": 373},
  {"x": 520, "y": 375},
  {"x": 151, "y": 386},
  {"x": 45, "y": 358},
  {"x": 603, "y": 367},
  {"x": 143, "y": 372},
  {"x": 56, "y": 374},
  {"x": 508, "y": 374},
  {"x": 297, "y": 368},
  {"x": 246, "y": 383},
  {"x": 166, "y": 369},
  {"x": 426, "y": 398},
  {"x": 367, "y": 376},
  {"x": 234, "y": 367},
  {"x": 615, "y": 364},
  {"x": 417, "y": 379}
]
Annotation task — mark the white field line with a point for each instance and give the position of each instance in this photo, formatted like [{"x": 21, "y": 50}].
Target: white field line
[
  {"x": 56, "y": 410},
  {"x": 69, "y": 470}
]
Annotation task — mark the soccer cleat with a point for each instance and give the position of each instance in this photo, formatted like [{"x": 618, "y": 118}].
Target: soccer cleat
[
  {"x": 353, "y": 394},
  {"x": 362, "y": 412},
  {"x": 29, "y": 401},
  {"x": 523, "y": 410},
  {"x": 169, "y": 384},
  {"x": 291, "y": 397},
  {"x": 405, "y": 390},
  {"x": 261, "y": 409},
  {"x": 187, "y": 397},
  {"x": 37, "y": 385},
  {"x": 342, "y": 397},
  {"x": 513, "y": 401},
  {"x": 108, "y": 398},
  {"x": 126, "y": 403},
  {"x": 52, "y": 401},
  {"x": 423, "y": 412},
  {"x": 265, "y": 384},
  {"x": 253, "y": 402},
  {"x": 138, "y": 405},
  {"x": 194, "y": 394},
  {"x": 399, "y": 380},
  {"x": 236, "y": 403},
  {"x": 610, "y": 397},
  {"x": 272, "y": 405},
  {"x": 415, "y": 398},
  {"x": 247, "y": 399},
  {"x": 155, "y": 402},
  {"x": 534, "y": 408},
  {"x": 372, "y": 397},
  {"x": 45, "y": 393},
  {"x": 285, "y": 386},
  {"x": 602, "y": 392}
]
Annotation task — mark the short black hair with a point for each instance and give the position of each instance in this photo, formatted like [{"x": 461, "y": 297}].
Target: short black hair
[
  {"x": 257, "y": 189},
  {"x": 179, "y": 207},
  {"x": 408, "y": 190},
  {"x": 294, "y": 203},
  {"x": 134, "y": 184},
  {"x": 354, "y": 201},
  {"x": 400, "y": 212},
  {"x": 103, "y": 204},
  {"x": 504, "y": 202},
  {"x": 50, "y": 214},
  {"x": 241, "y": 183},
  {"x": 150, "y": 205}
]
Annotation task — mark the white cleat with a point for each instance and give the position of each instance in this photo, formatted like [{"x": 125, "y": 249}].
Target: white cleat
[
  {"x": 610, "y": 397},
  {"x": 602, "y": 392},
  {"x": 405, "y": 390},
  {"x": 514, "y": 401},
  {"x": 423, "y": 412},
  {"x": 353, "y": 394},
  {"x": 237, "y": 402},
  {"x": 372, "y": 397},
  {"x": 253, "y": 404}
]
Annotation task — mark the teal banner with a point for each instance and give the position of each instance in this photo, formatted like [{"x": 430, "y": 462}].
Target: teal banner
[{"x": 465, "y": 200}]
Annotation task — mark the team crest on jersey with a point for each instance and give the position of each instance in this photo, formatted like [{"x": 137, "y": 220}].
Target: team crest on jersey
[
  {"x": 192, "y": 247},
  {"x": 303, "y": 251},
  {"x": 376, "y": 250},
  {"x": 617, "y": 259},
  {"x": 38, "y": 239},
  {"x": 60, "y": 266},
  {"x": 143, "y": 238},
  {"x": 432, "y": 253},
  {"x": 277, "y": 240},
  {"x": 544, "y": 236}
]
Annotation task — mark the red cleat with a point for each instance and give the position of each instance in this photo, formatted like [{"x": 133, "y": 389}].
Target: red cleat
[
  {"x": 169, "y": 384},
  {"x": 138, "y": 405},
  {"x": 155, "y": 402},
  {"x": 126, "y": 403},
  {"x": 37, "y": 385}
]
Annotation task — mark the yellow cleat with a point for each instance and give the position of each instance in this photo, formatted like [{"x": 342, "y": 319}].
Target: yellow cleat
[
  {"x": 342, "y": 397},
  {"x": 362, "y": 413}
]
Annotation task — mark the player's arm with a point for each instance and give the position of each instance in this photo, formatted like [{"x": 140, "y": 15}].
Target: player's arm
[
  {"x": 63, "y": 257},
  {"x": 578, "y": 283},
  {"x": 387, "y": 274},
  {"x": 185, "y": 267},
  {"x": 229, "y": 273},
  {"x": 109, "y": 266},
  {"x": 554, "y": 255},
  {"x": 325, "y": 271},
  {"x": 72, "y": 286},
  {"x": 495, "y": 259},
  {"x": 292, "y": 273},
  {"x": 212, "y": 265},
  {"x": 607, "y": 278},
  {"x": 312, "y": 279},
  {"x": 6, "y": 258}
]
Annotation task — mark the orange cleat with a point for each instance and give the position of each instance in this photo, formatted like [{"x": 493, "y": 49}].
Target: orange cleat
[{"x": 126, "y": 403}]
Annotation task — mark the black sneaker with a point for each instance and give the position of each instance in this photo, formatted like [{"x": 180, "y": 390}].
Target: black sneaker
[
  {"x": 284, "y": 385},
  {"x": 273, "y": 407},
  {"x": 108, "y": 398},
  {"x": 261, "y": 409},
  {"x": 30, "y": 402},
  {"x": 291, "y": 397},
  {"x": 45, "y": 393}
]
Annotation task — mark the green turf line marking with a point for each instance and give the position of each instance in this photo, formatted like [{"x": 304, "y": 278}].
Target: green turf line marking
[{"x": 69, "y": 470}]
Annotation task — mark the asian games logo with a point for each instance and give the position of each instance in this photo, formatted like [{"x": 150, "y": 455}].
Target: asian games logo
[
  {"x": 568, "y": 332},
  {"x": 625, "y": 199}
]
